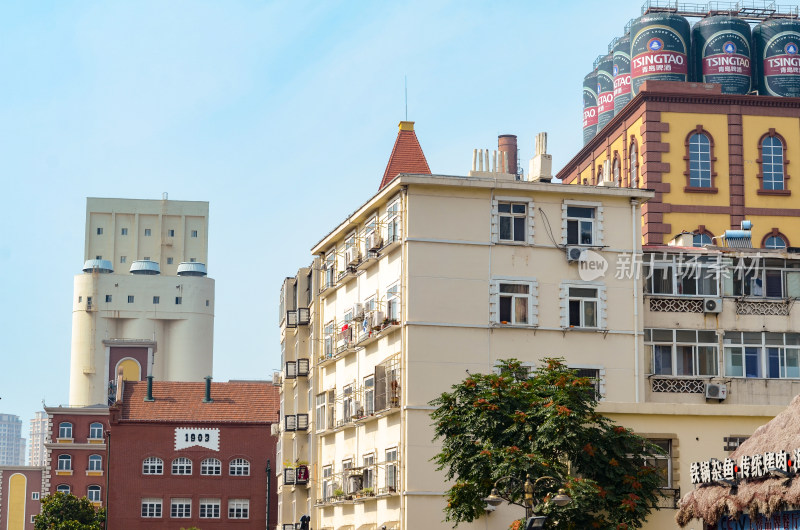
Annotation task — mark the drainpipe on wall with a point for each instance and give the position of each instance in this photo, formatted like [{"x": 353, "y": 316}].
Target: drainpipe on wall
[{"x": 634, "y": 217}]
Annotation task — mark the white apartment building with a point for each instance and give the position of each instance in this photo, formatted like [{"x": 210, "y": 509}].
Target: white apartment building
[
  {"x": 143, "y": 303},
  {"x": 38, "y": 433},
  {"x": 12, "y": 444},
  {"x": 432, "y": 277}
]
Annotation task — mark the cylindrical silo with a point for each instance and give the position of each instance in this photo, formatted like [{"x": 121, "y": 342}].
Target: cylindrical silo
[
  {"x": 605, "y": 91},
  {"x": 622, "y": 73},
  {"x": 776, "y": 43},
  {"x": 589, "y": 107},
  {"x": 659, "y": 49},
  {"x": 721, "y": 53}
]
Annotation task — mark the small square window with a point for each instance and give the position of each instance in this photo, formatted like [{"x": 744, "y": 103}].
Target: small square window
[
  {"x": 33, "y": 519},
  {"x": 194, "y": 233},
  {"x": 80, "y": 299},
  {"x": 169, "y": 261},
  {"x": 178, "y": 300},
  {"x": 130, "y": 298},
  {"x": 513, "y": 217},
  {"x": 98, "y": 257},
  {"x": 192, "y": 260},
  {"x": 156, "y": 299},
  {"x": 35, "y": 495},
  {"x": 580, "y": 225},
  {"x": 99, "y": 231},
  {"x": 147, "y": 258},
  {"x": 147, "y": 232},
  {"x": 123, "y": 259},
  {"x": 108, "y": 298},
  {"x": 124, "y": 231},
  {"x": 171, "y": 233}
]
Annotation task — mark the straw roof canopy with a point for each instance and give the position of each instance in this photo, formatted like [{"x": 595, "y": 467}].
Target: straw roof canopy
[{"x": 753, "y": 497}]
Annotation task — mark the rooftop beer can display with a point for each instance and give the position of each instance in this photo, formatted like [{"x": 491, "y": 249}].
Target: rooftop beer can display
[
  {"x": 605, "y": 91},
  {"x": 776, "y": 43},
  {"x": 721, "y": 53},
  {"x": 659, "y": 49},
  {"x": 589, "y": 106},
  {"x": 622, "y": 73}
]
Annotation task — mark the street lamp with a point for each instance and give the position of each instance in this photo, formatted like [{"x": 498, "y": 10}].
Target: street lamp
[{"x": 495, "y": 498}]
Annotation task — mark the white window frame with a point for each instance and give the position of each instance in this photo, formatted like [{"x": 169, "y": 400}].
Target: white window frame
[
  {"x": 763, "y": 355},
  {"x": 533, "y": 299},
  {"x": 529, "y": 224},
  {"x": 320, "y": 419},
  {"x": 152, "y": 465},
  {"x": 394, "y": 218},
  {"x": 35, "y": 495},
  {"x": 602, "y": 303},
  {"x": 95, "y": 463},
  {"x": 63, "y": 488},
  {"x": 94, "y": 493},
  {"x": 601, "y": 376},
  {"x": 212, "y": 506},
  {"x": 211, "y": 467},
  {"x": 369, "y": 395},
  {"x": 96, "y": 430},
  {"x": 392, "y": 479},
  {"x": 674, "y": 343},
  {"x": 239, "y": 467},
  {"x": 152, "y": 506},
  {"x": 65, "y": 430},
  {"x": 180, "y": 508},
  {"x": 182, "y": 466},
  {"x": 393, "y": 302},
  {"x": 369, "y": 471},
  {"x": 597, "y": 224},
  {"x": 668, "y": 457},
  {"x": 238, "y": 508},
  {"x": 67, "y": 463}
]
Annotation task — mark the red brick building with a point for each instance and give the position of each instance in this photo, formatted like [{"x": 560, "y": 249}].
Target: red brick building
[
  {"x": 192, "y": 454},
  {"x": 77, "y": 452},
  {"x": 20, "y": 491}
]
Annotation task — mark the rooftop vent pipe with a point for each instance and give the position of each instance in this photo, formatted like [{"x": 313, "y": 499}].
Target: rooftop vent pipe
[
  {"x": 208, "y": 399},
  {"x": 149, "y": 389}
]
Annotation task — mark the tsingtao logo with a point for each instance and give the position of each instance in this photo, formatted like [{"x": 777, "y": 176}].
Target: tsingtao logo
[
  {"x": 591, "y": 266},
  {"x": 655, "y": 45},
  {"x": 729, "y": 47},
  {"x": 791, "y": 48}
]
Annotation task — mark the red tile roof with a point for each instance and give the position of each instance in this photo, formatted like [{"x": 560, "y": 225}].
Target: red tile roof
[
  {"x": 254, "y": 402},
  {"x": 407, "y": 155}
]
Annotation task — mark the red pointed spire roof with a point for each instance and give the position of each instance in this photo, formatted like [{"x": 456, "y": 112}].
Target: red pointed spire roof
[{"x": 407, "y": 155}]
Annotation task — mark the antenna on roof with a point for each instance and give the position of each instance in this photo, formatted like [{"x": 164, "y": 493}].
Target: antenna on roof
[{"x": 405, "y": 88}]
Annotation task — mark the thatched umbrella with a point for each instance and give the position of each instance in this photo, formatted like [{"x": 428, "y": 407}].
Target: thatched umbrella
[{"x": 754, "y": 497}]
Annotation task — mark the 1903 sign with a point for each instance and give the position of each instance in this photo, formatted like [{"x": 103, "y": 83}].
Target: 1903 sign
[{"x": 190, "y": 436}]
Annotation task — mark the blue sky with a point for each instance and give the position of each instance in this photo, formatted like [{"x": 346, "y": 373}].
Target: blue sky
[{"x": 281, "y": 114}]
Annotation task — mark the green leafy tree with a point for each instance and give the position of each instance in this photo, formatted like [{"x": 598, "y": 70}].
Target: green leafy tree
[
  {"x": 542, "y": 424},
  {"x": 63, "y": 511}
]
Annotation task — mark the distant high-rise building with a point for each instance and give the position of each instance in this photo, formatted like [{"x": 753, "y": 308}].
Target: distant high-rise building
[
  {"x": 143, "y": 304},
  {"x": 12, "y": 444},
  {"x": 38, "y": 433}
]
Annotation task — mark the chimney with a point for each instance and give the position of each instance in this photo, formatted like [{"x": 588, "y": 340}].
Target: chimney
[
  {"x": 541, "y": 166},
  {"x": 149, "y": 389},
  {"x": 507, "y": 145},
  {"x": 208, "y": 399}
]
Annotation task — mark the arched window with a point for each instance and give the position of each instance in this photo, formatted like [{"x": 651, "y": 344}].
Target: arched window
[
  {"x": 95, "y": 463},
  {"x": 152, "y": 466},
  {"x": 615, "y": 170},
  {"x": 64, "y": 463},
  {"x": 775, "y": 242},
  {"x": 701, "y": 239},
  {"x": 63, "y": 488},
  {"x": 210, "y": 466},
  {"x": 699, "y": 161},
  {"x": 772, "y": 174},
  {"x": 239, "y": 467},
  {"x": 65, "y": 429},
  {"x": 182, "y": 466},
  {"x": 96, "y": 431},
  {"x": 93, "y": 493},
  {"x": 633, "y": 178}
]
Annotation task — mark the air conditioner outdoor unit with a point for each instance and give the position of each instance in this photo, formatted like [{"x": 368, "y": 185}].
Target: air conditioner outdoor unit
[
  {"x": 712, "y": 305},
  {"x": 276, "y": 378},
  {"x": 275, "y": 429},
  {"x": 716, "y": 391},
  {"x": 574, "y": 254},
  {"x": 358, "y": 311},
  {"x": 375, "y": 241},
  {"x": 352, "y": 256},
  {"x": 377, "y": 318}
]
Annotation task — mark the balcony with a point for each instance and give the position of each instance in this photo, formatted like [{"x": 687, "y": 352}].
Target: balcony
[{"x": 360, "y": 484}]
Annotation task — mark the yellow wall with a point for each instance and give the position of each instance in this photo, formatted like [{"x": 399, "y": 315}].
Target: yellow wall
[
  {"x": 754, "y": 127},
  {"x": 616, "y": 145},
  {"x": 17, "y": 495}
]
